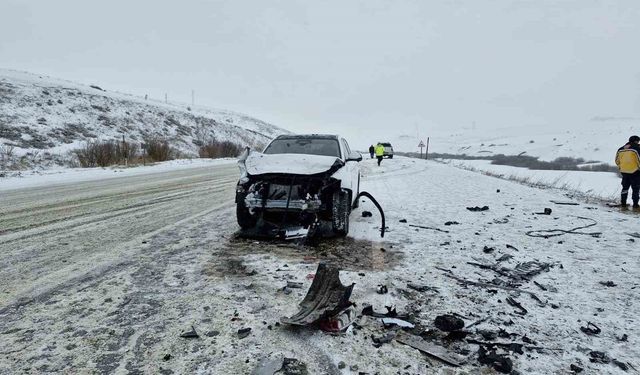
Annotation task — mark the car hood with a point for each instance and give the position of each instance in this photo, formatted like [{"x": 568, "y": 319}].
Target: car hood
[{"x": 299, "y": 164}]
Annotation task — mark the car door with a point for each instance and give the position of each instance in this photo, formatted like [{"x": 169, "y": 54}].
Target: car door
[{"x": 353, "y": 170}]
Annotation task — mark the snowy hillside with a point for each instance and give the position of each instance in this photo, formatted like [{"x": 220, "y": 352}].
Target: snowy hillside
[
  {"x": 596, "y": 139},
  {"x": 48, "y": 117}
]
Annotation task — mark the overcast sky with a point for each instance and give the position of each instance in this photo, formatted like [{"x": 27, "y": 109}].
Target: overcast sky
[{"x": 367, "y": 68}]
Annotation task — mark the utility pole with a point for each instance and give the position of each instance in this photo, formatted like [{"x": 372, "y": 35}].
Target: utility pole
[
  {"x": 166, "y": 100},
  {"x": 426, "y": 155},
  {"x": 125, "y": 151},
  {"x": 193, "y": 98}
]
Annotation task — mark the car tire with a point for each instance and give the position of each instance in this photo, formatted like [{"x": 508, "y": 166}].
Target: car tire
[
  {"x": 244, "y": 217},
  {"x": 390, "y": 156},
  {"x": 341, "y": 211}
]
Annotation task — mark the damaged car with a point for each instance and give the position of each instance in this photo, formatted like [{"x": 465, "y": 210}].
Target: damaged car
[{"x": 298, "y": 184}]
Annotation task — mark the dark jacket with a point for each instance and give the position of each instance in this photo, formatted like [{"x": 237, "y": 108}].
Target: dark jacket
[{"x": 371, "y": 149}]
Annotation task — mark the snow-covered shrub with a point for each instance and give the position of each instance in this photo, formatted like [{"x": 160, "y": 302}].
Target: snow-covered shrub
[
  {"x": 215, "y": 149},
  {"x": 159, "y": 149}
]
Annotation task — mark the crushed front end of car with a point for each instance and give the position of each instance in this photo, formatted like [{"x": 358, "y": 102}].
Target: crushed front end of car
[{"x": 290, "y": 196}]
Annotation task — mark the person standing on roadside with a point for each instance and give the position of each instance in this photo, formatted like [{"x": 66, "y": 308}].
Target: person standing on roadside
[
  {"x": 628, "y": 161},
  {"x": 379, "y": 153},
  {"x": 371, "y": 151}
]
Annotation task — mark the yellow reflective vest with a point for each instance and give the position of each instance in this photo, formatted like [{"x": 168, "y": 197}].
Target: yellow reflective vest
[
  {"x": 379, "y": 150},
  {"x": 628, "y": 159}
]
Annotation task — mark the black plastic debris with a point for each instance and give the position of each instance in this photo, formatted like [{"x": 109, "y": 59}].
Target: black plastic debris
[
  {"x": 383, "y": 227},
  {"x": 477, "y": 209},
  {"x": 512, "y": 247},
  {"x": 422, "y": 288},
  {"x": 527, "y": 340},
  {"x": 623, "y": 338},
  {"x": 513, "y": 347},
  {"x": 382, "y": 289},
  {"x": 504, "y": 257},
  {"x": 403, "y": 220},
  {"x": 599, "y": 357},
  {"x": 367, "y": 214},
  {"x": 575, "y": 368},
  {"x": 190, "y": 334},
  {"x": 451, "y": 223},
  {"x": 527, "y": 270},
  {"x": 488, "y": 250},
  {"x": 591, "y": 329},
  {"x": 326, "y": 297},
  {"x": 622, "y": 365},
  {"x": 511, "y": 301},
  {"x": 546, "y": 211},
  {"x": 378, "y": 341},
  {"x": 565, "y": 203},
  {"x": 244, "y": 332},
  {"x": 457, "y": 335},
  {"x": 448, "y": 323},
  {"x": 487, "y": 334},
  {"x": 500, "y": 362},
  {"x": 425, "y": 227},
  {"x": 391, "y": 312},
  {"x": 610, "y": 284},
  {"x": 294, "y": 284},
  {"x": 432, "y": 350}
]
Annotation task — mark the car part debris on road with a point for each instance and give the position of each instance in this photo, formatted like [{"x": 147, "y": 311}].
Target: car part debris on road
[
  {"x": 432, "y": 350},
  {"x": 244, "y": 332},
  {"x": 448, "y": 323},
  {"x": 591, "y": 329},
  {"x": 391, "y": 313},
  {"x": 325, "y": 298},
  {"x": 478, "y": 209},
  {"x": 192, "y": 334}
]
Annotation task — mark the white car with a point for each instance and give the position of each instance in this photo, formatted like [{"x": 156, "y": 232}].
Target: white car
[{"x": 298, "y": 183}]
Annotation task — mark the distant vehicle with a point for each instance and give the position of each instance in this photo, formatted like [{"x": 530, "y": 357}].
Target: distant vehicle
[
  {"x": 298, "y": 183},
  {"x": 388, "y": 150}
]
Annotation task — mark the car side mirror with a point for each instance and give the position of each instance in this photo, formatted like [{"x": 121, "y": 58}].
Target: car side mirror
[{"x": 354, "y": 156}]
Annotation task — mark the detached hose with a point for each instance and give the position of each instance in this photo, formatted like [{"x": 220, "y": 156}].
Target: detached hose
[{"x": 375, "y": 202}]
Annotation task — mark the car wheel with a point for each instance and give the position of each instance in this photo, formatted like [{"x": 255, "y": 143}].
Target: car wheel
[
  {"x": 245, "y": 219},
  {"x": 341, "y": 212}
]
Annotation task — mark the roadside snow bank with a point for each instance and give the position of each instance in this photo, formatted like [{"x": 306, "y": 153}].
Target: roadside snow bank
[{"x": 39, "y": 178}]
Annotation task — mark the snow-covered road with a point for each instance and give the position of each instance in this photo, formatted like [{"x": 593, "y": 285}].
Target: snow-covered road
[{"x": 104, "y": 276}]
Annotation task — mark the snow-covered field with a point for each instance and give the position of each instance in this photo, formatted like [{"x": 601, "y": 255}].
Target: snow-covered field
[
  {"x": 593, "y": 140},
  {"x": 601, "y": 185},
  {"x": 104, "y": 276},
  {"x": 43, "y": 118}
]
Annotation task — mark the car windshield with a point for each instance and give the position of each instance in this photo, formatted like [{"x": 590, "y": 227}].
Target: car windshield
[{"x": 312, "y": 146}]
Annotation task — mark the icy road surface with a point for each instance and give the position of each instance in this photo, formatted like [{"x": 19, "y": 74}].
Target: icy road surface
[{"x": 104, "y": 277}]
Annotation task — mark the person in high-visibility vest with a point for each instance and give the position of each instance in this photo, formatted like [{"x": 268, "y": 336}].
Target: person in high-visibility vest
[
  {"x": 379, "y": 153},
  {"x": 628, "y": 161}
]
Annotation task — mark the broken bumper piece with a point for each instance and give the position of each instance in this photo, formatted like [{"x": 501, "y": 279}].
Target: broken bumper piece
[{"x": 326, "y": 299}]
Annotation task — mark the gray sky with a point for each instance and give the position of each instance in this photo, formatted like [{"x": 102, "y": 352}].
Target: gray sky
[{"x": 368, "y": 69}]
